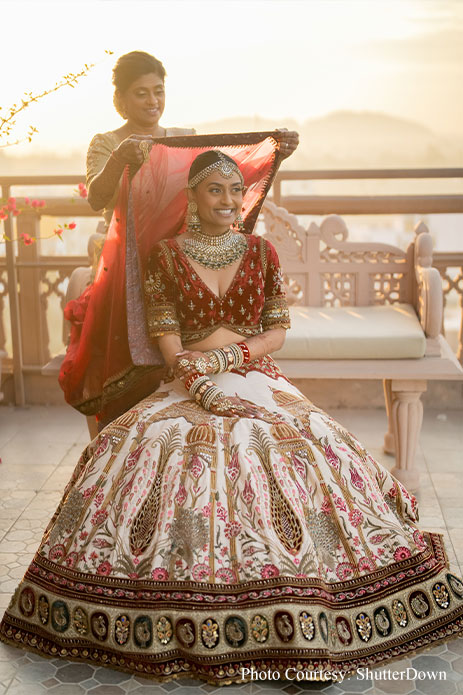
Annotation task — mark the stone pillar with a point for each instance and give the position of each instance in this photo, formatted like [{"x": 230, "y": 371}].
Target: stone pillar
[{"x": 407, "y": 416}]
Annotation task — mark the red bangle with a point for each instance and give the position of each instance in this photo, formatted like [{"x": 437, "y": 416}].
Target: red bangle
[
  {"x": 192, "y": 378},
  {"x": 245, "y": 350}
]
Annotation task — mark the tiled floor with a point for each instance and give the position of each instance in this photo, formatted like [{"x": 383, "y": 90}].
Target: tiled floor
[{"x": 39, "y": 447}]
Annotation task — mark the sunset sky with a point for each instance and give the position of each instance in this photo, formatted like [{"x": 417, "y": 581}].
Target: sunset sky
[{"x": 281, "y": 60}]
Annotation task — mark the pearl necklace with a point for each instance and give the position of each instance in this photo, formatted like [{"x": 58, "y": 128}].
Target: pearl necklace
[{"x": 215, "y": 252}]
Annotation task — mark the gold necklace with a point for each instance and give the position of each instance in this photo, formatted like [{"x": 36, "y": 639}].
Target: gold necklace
[{"x": 215, "y": 252}]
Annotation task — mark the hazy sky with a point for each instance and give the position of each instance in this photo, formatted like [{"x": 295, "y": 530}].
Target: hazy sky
[{"x": 279, "y": 59}]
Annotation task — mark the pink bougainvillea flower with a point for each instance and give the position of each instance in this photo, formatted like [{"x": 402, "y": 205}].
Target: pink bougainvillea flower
[
  {"x": 3, "y": 215},
  {"x": 58, "y": 232},
  {"x": 28, "y": 240},
  {"x": 16, "y": 212},
  {"x": 41, "y": 203},
  {"x": 35, "y": 203},
  {"x": 27, "y": 201},
  {"x": 82, "y": 190},
  {"x": 72, "y": 225}
]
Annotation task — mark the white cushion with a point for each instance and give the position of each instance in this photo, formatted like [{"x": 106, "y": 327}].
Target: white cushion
[{"x": 390, "y": 331}]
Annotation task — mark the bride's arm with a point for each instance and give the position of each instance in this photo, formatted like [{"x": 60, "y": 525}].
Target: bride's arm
[
  {"x": 265, "y": 343},
  {"x": 170, "y": 345}
]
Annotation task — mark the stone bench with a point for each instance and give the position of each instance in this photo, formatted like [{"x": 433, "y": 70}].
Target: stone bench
[{"x": 364, "y": 311}]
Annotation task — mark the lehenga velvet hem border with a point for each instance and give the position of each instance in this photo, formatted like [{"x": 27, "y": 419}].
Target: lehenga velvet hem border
[
  {"x": 165, "y": 630},
  {"x": 230, "y": 675}
]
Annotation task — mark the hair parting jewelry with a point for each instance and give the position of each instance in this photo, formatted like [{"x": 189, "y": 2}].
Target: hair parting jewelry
[{"x": 226, "y": 167}]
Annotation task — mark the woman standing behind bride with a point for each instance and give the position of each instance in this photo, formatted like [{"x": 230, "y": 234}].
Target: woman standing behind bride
[{"x": 139, "y": 97}]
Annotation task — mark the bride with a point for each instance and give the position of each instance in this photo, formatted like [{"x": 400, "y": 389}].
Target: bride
[{"x": 225, "y": 524}]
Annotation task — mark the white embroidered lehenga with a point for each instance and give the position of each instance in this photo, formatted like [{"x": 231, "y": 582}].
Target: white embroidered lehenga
[{"x": 188, "y": 544}]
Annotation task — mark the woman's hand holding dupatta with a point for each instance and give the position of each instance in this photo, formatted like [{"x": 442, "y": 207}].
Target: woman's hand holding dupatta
[
  {"x": 130, "y": 152},
  {"x": 288, "y": 141}
]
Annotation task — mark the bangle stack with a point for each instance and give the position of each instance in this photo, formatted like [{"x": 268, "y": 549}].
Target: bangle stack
[
  {"x": 230, "y": 357},
  {"x": 203, "y": 390}
]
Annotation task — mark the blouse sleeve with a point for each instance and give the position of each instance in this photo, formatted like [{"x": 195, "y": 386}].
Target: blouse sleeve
[
  {"x": 275, "y": 313},
  {"x": 159, "y": 295},
  {"x": 99, "y": 151}
]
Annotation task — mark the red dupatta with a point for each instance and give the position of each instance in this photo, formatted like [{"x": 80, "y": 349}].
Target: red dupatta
[{"x": 98, "y": 374}]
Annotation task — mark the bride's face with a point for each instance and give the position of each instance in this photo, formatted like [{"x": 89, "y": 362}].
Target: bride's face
[{"x": 219, "y": 199}]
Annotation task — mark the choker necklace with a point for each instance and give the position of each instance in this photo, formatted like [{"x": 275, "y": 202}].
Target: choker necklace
[{"x": 215, "y": 252}]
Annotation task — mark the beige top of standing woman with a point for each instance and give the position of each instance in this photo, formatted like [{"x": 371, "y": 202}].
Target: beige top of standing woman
[{"x": 100, "y": 150}]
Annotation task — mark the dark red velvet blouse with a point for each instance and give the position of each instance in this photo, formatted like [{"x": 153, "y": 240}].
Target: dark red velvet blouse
[{"x": 178, "y": 301}]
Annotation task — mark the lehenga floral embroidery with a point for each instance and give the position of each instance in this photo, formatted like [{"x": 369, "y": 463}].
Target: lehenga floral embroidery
[{"x": 195, "y": 535}]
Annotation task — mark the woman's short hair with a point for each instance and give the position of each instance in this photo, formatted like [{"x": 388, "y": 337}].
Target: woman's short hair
[{"x": 129, "y": 68}]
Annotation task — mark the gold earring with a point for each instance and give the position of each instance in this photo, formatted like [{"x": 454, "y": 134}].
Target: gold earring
[
  {"x": 192, "y": 219},
  {"x": 238, "y": 224}
]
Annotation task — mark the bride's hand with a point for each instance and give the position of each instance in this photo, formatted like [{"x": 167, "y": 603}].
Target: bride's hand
[
  {"x": 189, "y": 362},
  {"x": 234, "y": 406},
  {"x": 288, "y": 140}
]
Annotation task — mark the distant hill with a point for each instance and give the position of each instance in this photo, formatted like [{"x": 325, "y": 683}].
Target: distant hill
[{"x": 342, "y": 139}]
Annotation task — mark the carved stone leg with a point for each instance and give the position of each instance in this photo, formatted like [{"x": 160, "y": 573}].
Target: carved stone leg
[
  {"x": 407, "y": 416},
  {"x": 389, "y": 444}
]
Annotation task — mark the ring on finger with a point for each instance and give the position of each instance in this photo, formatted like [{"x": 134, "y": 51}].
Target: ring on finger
[
  {"x": 145, "y": 146},
  {"x": 200, "y": 365}
]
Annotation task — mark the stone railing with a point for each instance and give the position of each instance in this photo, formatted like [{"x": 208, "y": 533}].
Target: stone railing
[{"x": 30, "y": 279}]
